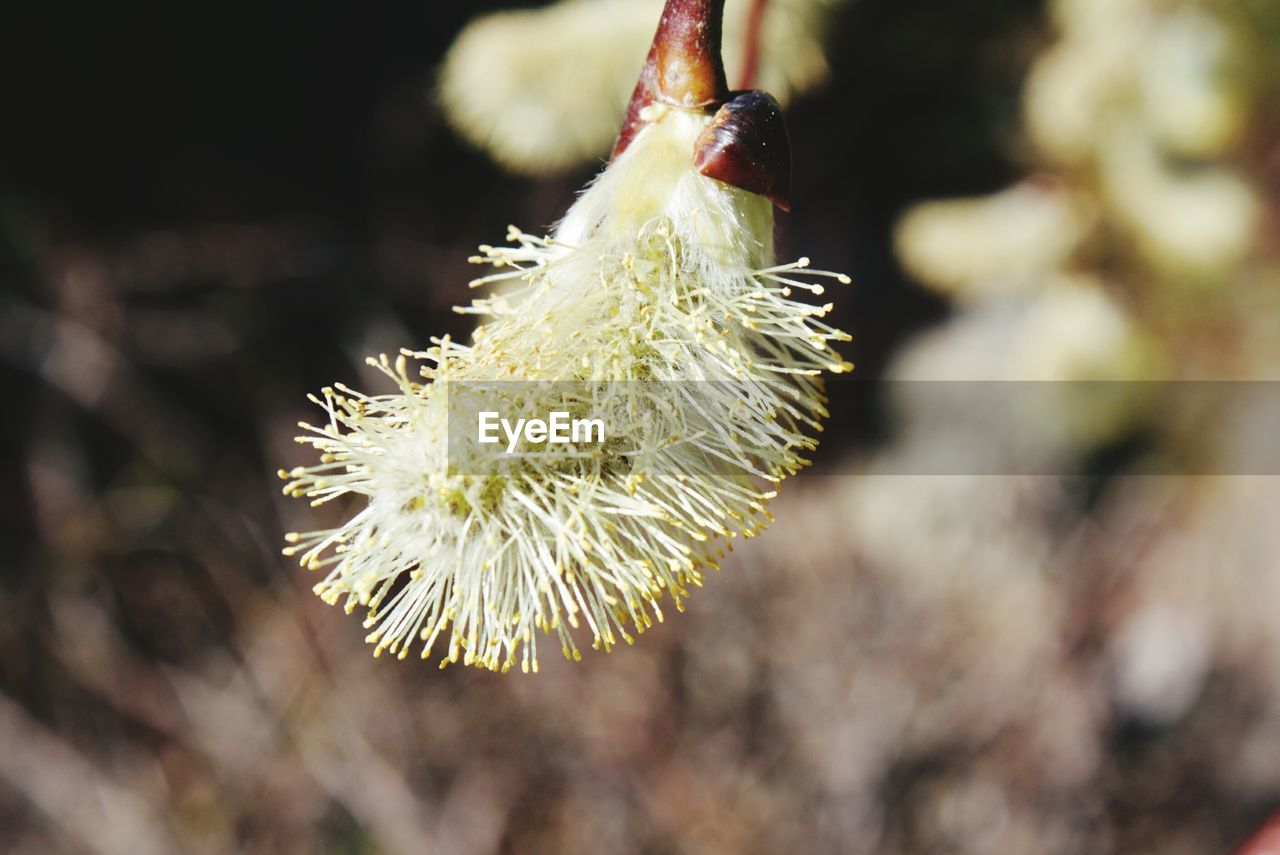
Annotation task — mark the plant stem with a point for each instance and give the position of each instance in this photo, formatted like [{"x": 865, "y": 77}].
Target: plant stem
[
  {"x": 684, "y": 67},
  {"x": 751, "y": 45}
]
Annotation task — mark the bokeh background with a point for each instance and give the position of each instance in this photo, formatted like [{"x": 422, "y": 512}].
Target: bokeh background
[{"x": 207, "y": 212}]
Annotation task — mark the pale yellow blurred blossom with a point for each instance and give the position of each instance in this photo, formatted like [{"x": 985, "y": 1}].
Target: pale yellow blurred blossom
[
  {"x": 542, "y": 90},
  {"x": 1167, "y": 65},
  {"x": 1200, "y": 221},
  {"x": 1190, "y": 100},
  {"x": 1076, "y": 331},
  {"x": 1072, "y": 330},
  {"x": 1057, "y": 343},
  {"x": 1134, "y": 113},
  {"x": 657, "y": 273},
  {"x": 975, "y": 249},
  {"x": 1066, "y": 95}
]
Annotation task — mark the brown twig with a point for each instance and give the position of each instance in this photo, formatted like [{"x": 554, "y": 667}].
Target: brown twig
[
  {"x": 751, "y": 45},
  {"x": 684, "y": 66}
]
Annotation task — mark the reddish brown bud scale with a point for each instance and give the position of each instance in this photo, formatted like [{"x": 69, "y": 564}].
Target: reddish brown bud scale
[
  {"x": 684, "y": 68},
  {"x": 747, "y": 145},
  {"x": 690, "y": 71}
]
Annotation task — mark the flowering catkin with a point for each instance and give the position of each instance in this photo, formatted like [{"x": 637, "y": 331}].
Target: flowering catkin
[{"x": 657, "y": 278}]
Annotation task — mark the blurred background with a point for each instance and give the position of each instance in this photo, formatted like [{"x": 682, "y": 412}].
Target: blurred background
[{"x": 208, "y": 212}]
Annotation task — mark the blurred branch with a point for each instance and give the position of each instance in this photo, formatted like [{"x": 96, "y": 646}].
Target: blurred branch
[
  {"x": 751, "y": 49},
  {"x": 79, "y": 798}
]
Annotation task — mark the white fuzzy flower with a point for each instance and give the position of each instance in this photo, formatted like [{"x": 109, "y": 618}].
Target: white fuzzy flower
[{"x": 658, "y": 278}]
